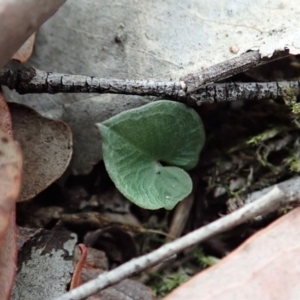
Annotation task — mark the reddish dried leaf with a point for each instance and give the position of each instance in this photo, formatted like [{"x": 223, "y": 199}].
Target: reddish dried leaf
[
  {"x": 5, "y": 118},
  {"x": 8, "y": 244},
  {"x": 24, "y": 53},
  {"x": 8, "y": 258},
  {"x": 10, "y": 183},
  {"x": 266, "y": 266},
  {"x": 10, "y": 179},
  {"x": 19, "y": 20},
  {"x": 46, "y": 145}
]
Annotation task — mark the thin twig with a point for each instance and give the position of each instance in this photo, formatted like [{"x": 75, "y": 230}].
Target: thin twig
[
  {"x": 226, "y": 69},
  {"x": 221, "y": 92},
  {"x": 268, "y": 202},
  {"x": 222, "y": 70},
  {"x": 290, "y": 189},
  {"x": 30, "y": 80},
  {"x": 76, "y": 277}
]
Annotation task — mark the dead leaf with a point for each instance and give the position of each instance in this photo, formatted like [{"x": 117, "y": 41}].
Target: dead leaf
[
  {"x": 5, "y": 118},
  {"x": 266, "y": 266},
  {"x": 10, "y": 184},
  {"x": 19, "y": 20},
  {"x": 104, "y": 233},
  {"x": 24, "y": 53},
  {"x": 8, "y": 245},
  {"x": 118, "y": 244},
  {"x": 44, "y": 265},
  {"x": 46, "y": 145},
  {"x": 25, "y": 234},
  {"x": 95, "y": 258},
  {"x": 8, "y": 258},
  {"x": 126, "y": 289},
  {"x": 10, "y": 178}
]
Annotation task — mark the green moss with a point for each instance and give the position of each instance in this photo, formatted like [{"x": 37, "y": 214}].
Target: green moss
[
  {"x": 265, "y": 135},
  {"x": 288, "y": 96},
  {"x": 204, "y": 260},
  {"x": 165, "y": 284}
]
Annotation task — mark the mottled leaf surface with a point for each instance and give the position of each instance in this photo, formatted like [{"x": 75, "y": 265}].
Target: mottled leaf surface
[
  {"x": 5, "y": 117},
  {"x": 44, "y": 265},
  {"x": 137, "y": 143},
  {"x": 10, "y": 183},
  {"x": 46, "y": 145}
]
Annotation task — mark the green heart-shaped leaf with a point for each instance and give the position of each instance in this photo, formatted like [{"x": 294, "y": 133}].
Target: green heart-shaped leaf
[{"x": 135, "y": 143}]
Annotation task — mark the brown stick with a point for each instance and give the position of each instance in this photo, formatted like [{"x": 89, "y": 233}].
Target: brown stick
[
  {"x": 30, "y": 80},
  {"x": 226, "y": 69},
  {"x": 221, "y": 71}
]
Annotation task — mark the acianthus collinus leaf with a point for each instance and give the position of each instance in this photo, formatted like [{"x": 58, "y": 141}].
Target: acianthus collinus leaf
[{"x": 145, "y": 150}]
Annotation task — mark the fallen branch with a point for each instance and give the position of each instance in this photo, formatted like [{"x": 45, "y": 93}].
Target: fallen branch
[
  {"x": 221, "y": 71},
  {"x": 269, "y": 202},
  {"x": 31, "y": 80}
]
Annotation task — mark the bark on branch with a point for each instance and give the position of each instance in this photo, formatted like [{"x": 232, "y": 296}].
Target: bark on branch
[
  {"x": 30, "y": 80},
  {"x": 290, "y": 189}
]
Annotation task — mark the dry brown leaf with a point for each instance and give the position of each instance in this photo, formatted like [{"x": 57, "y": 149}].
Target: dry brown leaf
[
  {"x": 95, "y": 259},
  {"x": 46, "y": 145},
  {"x": 10, "y": 183},
  {"x": 5, "y": 118},
  {"x": 25, "y": 234},
  {"x": 266, "y": 266},
  {"x": 8, "y": 258},
  {"x": 24, "y": 53},
  {"x": 44, "y": 265},
  {"x": 19, "y": 20},
  {"x": 8, "y": 246},
  {"x": 10, "y": 178},
  {"x": 124, "y": 290}
]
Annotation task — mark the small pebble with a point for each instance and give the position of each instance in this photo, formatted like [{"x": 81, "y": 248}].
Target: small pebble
[{"x": 234, "y": 49}]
